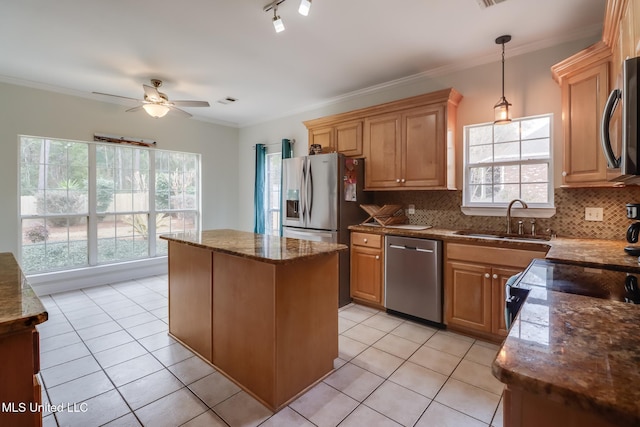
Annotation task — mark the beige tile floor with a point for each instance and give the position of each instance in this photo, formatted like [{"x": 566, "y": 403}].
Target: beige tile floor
[{"x": 106, "y": 349}]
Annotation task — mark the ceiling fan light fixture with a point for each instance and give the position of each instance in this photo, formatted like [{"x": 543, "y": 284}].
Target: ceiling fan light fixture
[
  {"x": 156, "y": 110},
  {"x": 305, "y": 6},
  {"x": 501, "y": 111}
]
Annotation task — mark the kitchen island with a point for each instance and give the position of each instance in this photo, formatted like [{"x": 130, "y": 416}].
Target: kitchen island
[
  {"x": 20, "y": 312},
  {"x": 262, "y": 309}
]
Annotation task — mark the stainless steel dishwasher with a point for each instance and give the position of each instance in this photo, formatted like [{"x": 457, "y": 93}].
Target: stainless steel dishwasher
[{"x": 413, "y": 277}]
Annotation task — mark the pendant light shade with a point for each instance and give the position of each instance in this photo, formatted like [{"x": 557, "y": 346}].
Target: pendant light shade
[
  {"x": 156, "y": 110},
  {"x": 502, "y": 109}
]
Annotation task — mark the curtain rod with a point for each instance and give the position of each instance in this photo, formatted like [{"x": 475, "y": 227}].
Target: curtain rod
[{"x": 293, "y": 141}]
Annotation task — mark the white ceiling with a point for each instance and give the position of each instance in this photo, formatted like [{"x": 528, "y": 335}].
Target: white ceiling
[{"x": 211, "y": 49}]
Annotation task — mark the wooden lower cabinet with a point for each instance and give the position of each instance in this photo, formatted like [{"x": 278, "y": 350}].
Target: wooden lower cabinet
[
  {"x": 190, "y": 297},
  {"x": 474, "y": 287},
  {"x": 525, "y": 409},
  {"x": 20, "y": 386},
  {"x": 367, "y": 268}
]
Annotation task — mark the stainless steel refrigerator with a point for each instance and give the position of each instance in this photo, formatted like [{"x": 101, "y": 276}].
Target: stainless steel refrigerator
[{"x": 321, "y": 197}]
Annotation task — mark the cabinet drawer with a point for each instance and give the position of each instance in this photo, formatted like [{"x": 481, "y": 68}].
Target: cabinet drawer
[
  {"x": 367, "y": 240},
  {"x": 518, "y": 258}
]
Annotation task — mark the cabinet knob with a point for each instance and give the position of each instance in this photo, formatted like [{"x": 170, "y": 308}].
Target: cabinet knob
[
  {"x": 377, "y": 256},
  {"x": 366, "y": 240},
  {"x": 398, "y": 180},
  {"x": 487, "y": 275},
  {"x": 495, "y": 276},
  {"x": 402, "y": 180},
  {"x": 564, "y": 173}
]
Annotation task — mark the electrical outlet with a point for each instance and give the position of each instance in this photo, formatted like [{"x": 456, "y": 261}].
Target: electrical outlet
[
  {"x": 593, "y": 214},
  {"x": 411, "y": 209}
]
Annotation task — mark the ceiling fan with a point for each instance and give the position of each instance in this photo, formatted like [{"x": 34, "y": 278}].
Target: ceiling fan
[{"x": 156, "y": 103}]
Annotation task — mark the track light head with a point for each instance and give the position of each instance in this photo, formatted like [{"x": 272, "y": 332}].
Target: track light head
[{"x": 305, "y": 5}]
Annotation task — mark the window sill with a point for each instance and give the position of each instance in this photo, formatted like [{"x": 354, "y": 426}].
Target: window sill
[{"x": 532, "y": 212}]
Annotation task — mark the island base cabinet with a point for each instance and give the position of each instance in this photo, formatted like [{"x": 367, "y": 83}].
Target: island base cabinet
[
  {"x": 190, "y": 297},
  {"x": 254, "y": 303},
  {"x": 20, "y": 362},
  {"x": 525, "y": 409}
]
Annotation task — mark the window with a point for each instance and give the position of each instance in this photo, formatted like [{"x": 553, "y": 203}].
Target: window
[
  {"x": 85, "y": 204},
  {"x": 272, "y": 196},
  {"x": 506, "y": 162}
]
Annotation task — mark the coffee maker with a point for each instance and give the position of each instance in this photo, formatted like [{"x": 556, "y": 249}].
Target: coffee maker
[{"x": 633, "y": 232}]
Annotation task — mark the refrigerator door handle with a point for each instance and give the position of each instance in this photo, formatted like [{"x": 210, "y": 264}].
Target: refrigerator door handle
[
  {"x": 303, "y": 196},
  {"x": 309, "y": 191}
]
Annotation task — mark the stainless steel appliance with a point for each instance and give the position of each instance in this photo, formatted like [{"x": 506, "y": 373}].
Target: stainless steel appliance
[
  {"x": 633, "y": 232},
  {"x": 609, "y": 283},
  {"x": 413, "y": 277},
  {"x": 623, "y": 133},
  {"x": 321, "y": 197}
]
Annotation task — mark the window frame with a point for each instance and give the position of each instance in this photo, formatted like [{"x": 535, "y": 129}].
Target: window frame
[
  {"x": 92, "y": 215},
  {"x": 269, "y": 210},
  {"x": 540, "y": 210}
]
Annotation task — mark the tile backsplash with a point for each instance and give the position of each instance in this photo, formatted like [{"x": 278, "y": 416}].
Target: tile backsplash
[{"x": 441, "y": 209}]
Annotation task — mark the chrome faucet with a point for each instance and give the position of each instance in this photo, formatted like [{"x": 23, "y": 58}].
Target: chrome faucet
[{"x": 524, "y": 205}]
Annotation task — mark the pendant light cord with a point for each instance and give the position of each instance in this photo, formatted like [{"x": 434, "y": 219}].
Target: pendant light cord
[{"x": 502, "y": 70}]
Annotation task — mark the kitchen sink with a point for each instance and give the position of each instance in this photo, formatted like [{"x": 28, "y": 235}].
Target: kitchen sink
[{"x": 499, "y": 235}]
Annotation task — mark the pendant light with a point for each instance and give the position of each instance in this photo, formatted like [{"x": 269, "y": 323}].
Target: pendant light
[{"x": 501, "y": 111}]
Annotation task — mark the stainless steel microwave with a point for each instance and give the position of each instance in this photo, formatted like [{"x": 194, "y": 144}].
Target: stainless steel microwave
[{"x": 623, "y": 133}]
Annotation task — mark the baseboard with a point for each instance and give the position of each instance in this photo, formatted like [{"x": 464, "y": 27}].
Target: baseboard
[{"x": 69, "y": 280}]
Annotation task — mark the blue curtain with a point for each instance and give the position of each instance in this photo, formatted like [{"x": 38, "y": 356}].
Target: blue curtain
[
  {"x": 287, "y": 153},
  {"x": 258, "y": 194}
]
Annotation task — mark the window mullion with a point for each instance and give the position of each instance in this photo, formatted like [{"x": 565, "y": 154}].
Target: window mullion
[
  {"x": 152, "y": 204},
  {"x": 92, "y": 225}
]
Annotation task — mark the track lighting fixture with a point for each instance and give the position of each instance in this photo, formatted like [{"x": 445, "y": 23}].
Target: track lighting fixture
[
  {"x": 277, "y": 21},
  {"x": 278, "y": 24},
  {"x": 501, "y": 111},
  {"x": 305, "y": 5}
]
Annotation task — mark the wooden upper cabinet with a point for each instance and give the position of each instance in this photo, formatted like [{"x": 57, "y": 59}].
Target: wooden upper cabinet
[
  {"x": 424, "y": 149},
  {"x": 407, "y": 144},
  {"x": 584, "y": 80},
  {"x": 383, "y": 151},
  {"x": 323, "y": 136}
]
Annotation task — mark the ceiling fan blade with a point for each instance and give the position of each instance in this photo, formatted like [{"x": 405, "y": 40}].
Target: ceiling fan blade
[
  {"x": 151, "y": 93},
  {"x": 190, "y": 103},
  {"x": 131, "y": 110},
  {"x": 178, "y": 111},
  {"x": 116, "y": 96}
]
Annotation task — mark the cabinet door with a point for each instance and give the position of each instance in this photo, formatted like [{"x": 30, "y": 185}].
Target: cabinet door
[
  {"x": 583, "y": 98},
  {"x": 324, "y": 137},
  {"x": 349, "y": 138},
  {"x": 499, "y": 280},
  {"x": 468, "y": 296},
  {"x": 382, "y": 150},
  {"x": 424, "y": 147},
  {"x": 366, "y": 274}
]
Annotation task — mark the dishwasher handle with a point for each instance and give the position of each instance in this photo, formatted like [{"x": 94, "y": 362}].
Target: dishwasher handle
[{"x": 413, "y": 248}]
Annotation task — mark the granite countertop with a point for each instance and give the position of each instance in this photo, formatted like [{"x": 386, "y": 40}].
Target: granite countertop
[
  {"x": 20, "y": 307},
  {"x": 577, "y": 350},
  {"x": 262, "y": 247},
  {"x": 588, "y": 252}
]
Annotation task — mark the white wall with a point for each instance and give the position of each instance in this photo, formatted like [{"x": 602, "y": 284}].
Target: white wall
[
  {"x": 28, "y": 111},
  {"x": 528, "y": 86}
]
